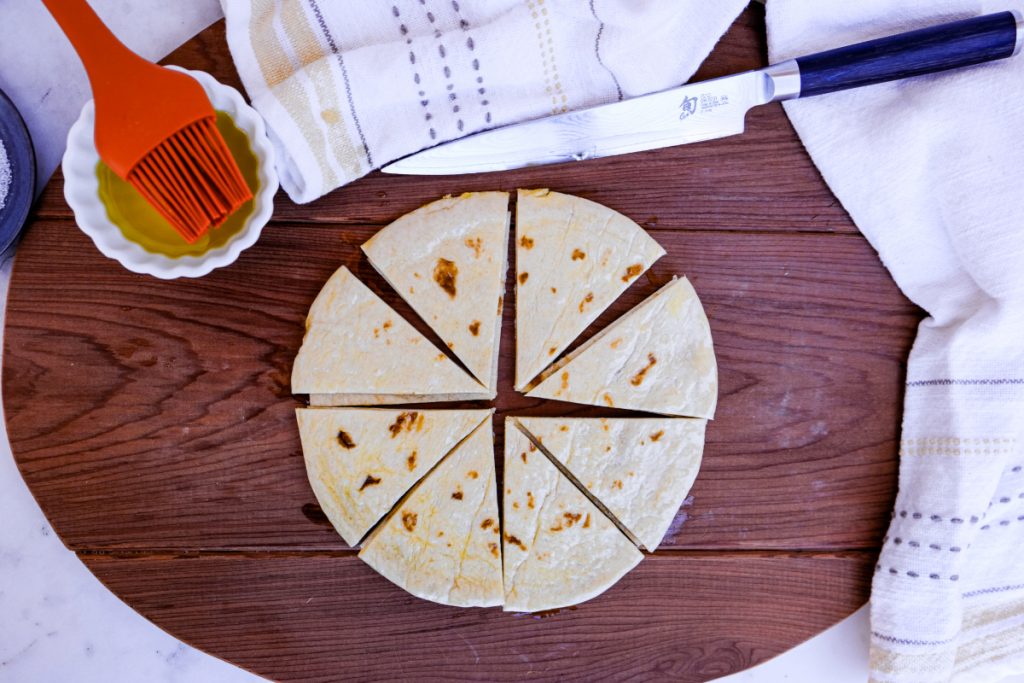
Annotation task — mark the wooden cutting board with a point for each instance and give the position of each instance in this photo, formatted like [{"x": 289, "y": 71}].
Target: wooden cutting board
[{"x": 154, "y": 423}]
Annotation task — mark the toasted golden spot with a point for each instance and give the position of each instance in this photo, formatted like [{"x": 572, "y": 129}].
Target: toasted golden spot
[
  {"x": 387, "y": 325},
  {"x": 412, "y": 290},
  {"x": 604, "y": 425},
  {"x": 607, "y": 448},
  {"x": 632, "y": 474},
  {"x": 501, "y": 302},
  {"x": 445, "y": 274},
  {"x": 532, "y": 447},
  {"x": 572, "y": 517},
  {"x": 406, "y": 421},
  {"x": 657, "y": 435},
  {"x": 523, "y": 277},
  {"x": 440, "y": 534},
  {"x": 472, "y": 474},
  {"x": 563, "y": 428},
  {"x": 552, "y": 350},
  {"x": 345, "y": 439},
  {"x": 409, "y": 520},
  {"x": 578, "y": 255},
  {"x": 477, "y": 245},
  {"x": 523, "y": 456},
  {"x": 487, "y": 523},
  {"x": 632, "y": 272},
  {"x": 493, "y": 547},
  {"x": 369, "y": 481},
  {"x": 615, "y": 343},
  {"x": 529, "y": 500},
  {"x": 586, "y": 522},
  {"x": 451, "y": 345},
  {"x": 637, "y": 379},
  {"x": 509, "y": 538},
  {"x": 608, "y": 399},
  {"x": 376, "y": 332},
  {"x": 554, "y": 290},
  {"x": 419, "y": 422},
  {"x": 565, "y": 380},
  {"x": 617, "y": 484},
  {"x": 441, "y": 356},
  {"x": 457, "y": 495},
  {"x": 411, "y": 461},
  {"x": 416, "y": 275},
  {"x": 526, "y": 242},
  {"x": 642, "y": 442},
  {"x": 515, "y": 505},
  {"x": 586, "y": 300},
  {"x": 555, "y": 528},
  {"x": 474, "y": 328}
]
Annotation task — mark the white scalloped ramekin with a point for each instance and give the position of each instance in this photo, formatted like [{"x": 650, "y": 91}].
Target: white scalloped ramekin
[{"x": 81, "y": 190}]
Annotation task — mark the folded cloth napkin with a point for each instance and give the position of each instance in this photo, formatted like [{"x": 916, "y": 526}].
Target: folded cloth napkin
[
  {"x": 930, "y": 170},
  {"x": 346, "y": 87}
]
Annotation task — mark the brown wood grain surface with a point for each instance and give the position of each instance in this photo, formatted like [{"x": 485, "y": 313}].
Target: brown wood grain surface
[{"x": 153, "y": 422}]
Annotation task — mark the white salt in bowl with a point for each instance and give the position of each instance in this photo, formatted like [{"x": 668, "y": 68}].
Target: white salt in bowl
[{"x": 82, "y": 184}]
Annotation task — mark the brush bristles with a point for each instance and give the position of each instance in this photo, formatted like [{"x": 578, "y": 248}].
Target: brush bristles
[{"x": 192, "y": 180}]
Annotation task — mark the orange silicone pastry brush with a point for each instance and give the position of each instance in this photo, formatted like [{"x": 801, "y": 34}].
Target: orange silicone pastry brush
[{"x": 155, "y": 128}]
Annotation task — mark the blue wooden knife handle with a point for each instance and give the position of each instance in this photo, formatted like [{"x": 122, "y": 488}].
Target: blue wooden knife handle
[{"x": 928, "y": 50}]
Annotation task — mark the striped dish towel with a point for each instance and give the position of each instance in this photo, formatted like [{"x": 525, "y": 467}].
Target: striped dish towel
[
  {"x": 347, "y": 86},
  {"x": 930, "y": 170}
]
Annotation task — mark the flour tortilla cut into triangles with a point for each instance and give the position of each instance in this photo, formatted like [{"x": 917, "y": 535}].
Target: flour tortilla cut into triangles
[
  {"x": 574, "y": 257},
  {"x": 639, "y": 469},
  {"x": 448, "y": 259},
  {"x": 442, "y": 542},
  {"x": 360, "y": 461},
  {"x": 559, "y": 548},
  {"x": 657, "y": 358},
  {"x": 358, "y": 346}
]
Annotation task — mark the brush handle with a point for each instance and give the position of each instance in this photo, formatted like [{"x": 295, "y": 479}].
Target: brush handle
[
  {"x": 106, "y": 59},
  {"x": 925, "y": 51}
]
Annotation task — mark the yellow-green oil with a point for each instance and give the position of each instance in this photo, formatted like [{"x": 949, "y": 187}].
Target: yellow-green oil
[{"x": 140, "y": 222}]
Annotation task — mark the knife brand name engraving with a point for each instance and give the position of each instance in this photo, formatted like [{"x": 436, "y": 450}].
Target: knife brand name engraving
[{"x": 704, "y": 103}]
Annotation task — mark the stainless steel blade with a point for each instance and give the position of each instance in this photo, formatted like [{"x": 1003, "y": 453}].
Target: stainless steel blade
[{"x": 692, "y": 113}]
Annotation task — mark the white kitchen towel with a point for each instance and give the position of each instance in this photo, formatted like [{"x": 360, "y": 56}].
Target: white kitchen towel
[
  {"x": 347, "y": 86},
  {"x": 930, "y": 170}
]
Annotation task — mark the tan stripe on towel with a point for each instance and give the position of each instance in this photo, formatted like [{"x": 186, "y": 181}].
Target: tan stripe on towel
[{"x": 277, "y": 72}]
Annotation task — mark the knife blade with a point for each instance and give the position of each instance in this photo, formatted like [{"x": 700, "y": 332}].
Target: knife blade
[{"x": 717, "y": 108}]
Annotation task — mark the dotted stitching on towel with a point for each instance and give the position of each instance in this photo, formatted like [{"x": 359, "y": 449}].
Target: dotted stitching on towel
[
  {"x": 917, "y": 544},
  {"x": 471, "y": 46},
  {"x": 442, "y": 51},
  {"x": 903, "y": 514},
  {"x": 424, "y": 101},
  {"x": 552, "y": 81},
  {"x": 915, "y": 575}
]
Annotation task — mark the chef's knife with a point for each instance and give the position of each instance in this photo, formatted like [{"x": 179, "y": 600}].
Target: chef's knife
[{"x": 717, "y": 108}]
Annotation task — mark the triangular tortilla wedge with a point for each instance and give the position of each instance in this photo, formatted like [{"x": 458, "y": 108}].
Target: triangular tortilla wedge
[
  {"x": 573, "y": 259},
  {"x": 442, "y": 542},
  {"x": 360, "y": 461},
  {"x": 357, "y": 347},
  {"x": 559, "y": 549},
  {"x": 658, "y": 358},
  {"x": 640, "y": 469},
  {"x": 448, "y": 259}
]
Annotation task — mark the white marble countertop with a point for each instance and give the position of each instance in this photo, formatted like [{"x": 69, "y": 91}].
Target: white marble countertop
[{"x": 57, "y": 622}]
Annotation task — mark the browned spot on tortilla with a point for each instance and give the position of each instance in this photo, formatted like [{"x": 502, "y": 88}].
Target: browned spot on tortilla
[
  {"x": 523, "y": 277},
  {"x": 526, "y": 242},
  {"x": 451, "y": 345},
  {"x": 509, "y": 538},
  {"x": 369, "y": 481},
  {"x": 552, "y": 350},
  {"x": 554, "y": 290},
  {"x": 529, "y": 500},
  {"x": 604, "y": 425},
  {"x": 376, "y": 332},
  {"x": 387, "y": 325},
  {"x": 419, "y": 422},
  {"x": 472, "y": 474},
  {"x": 615, "y": 343},
  {"x": 406, "y": 421},
  {"x": 409, "y": 520},
  {"x": 486, "y": 524},
  {"x": 586, "y": 300},
  {"x": 411, "y": 461},
  {"x": 532, "y": 447},
  {"x": 515, "y": 505},
  {"x": 440, "y": 534},
  {"x": 345, "y": 439},
  {"x": 457, "y": 495},
  {"x": 578, "y": 255},
  {"x": 523, "y": 456},
  {"x": 474, "y": 328},
  {"x": 617, "y": 484},
  {"x": 637, "y": 379},
  {"x": 565, "y": 380},
  {"x": 563, "y": 428},
  {"x": 555, "y": 528},
  {"x": 608, "y": 399},
  {"x": 657, "y": 435},
  {"x": 632, "y": 271},
  {"x": 412, "y": 290},
  {"x": 494, "y": 549},
  {"x": 441, "y": 356},
  {"x": 571, "y": 517},
  {"x": 477, "y": 245},
  {"x": 586, "y": 522},
  {"x": 445, "y": 273},
  {"x": 501, "y": 302}
]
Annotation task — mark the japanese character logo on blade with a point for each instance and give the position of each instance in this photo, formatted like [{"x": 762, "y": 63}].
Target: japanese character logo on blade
[{"x": 688, "y": 108}]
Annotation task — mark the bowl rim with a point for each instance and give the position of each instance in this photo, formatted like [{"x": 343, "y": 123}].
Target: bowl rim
[{"x": 81, "y": 188}]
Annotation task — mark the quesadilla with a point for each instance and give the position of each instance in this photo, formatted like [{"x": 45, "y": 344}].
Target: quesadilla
[
  {"x": 559, "y": 548},
  {"x": 359, "y": 351},
  {"x": 360, "y": 461},
  {"x": 639, "y": 469},
  {"x": 658, "y": 358},
  {"x": 573, "y": 259},
  {"x": 442, "y": 542},
  {"x": 448, "y": 259}
]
